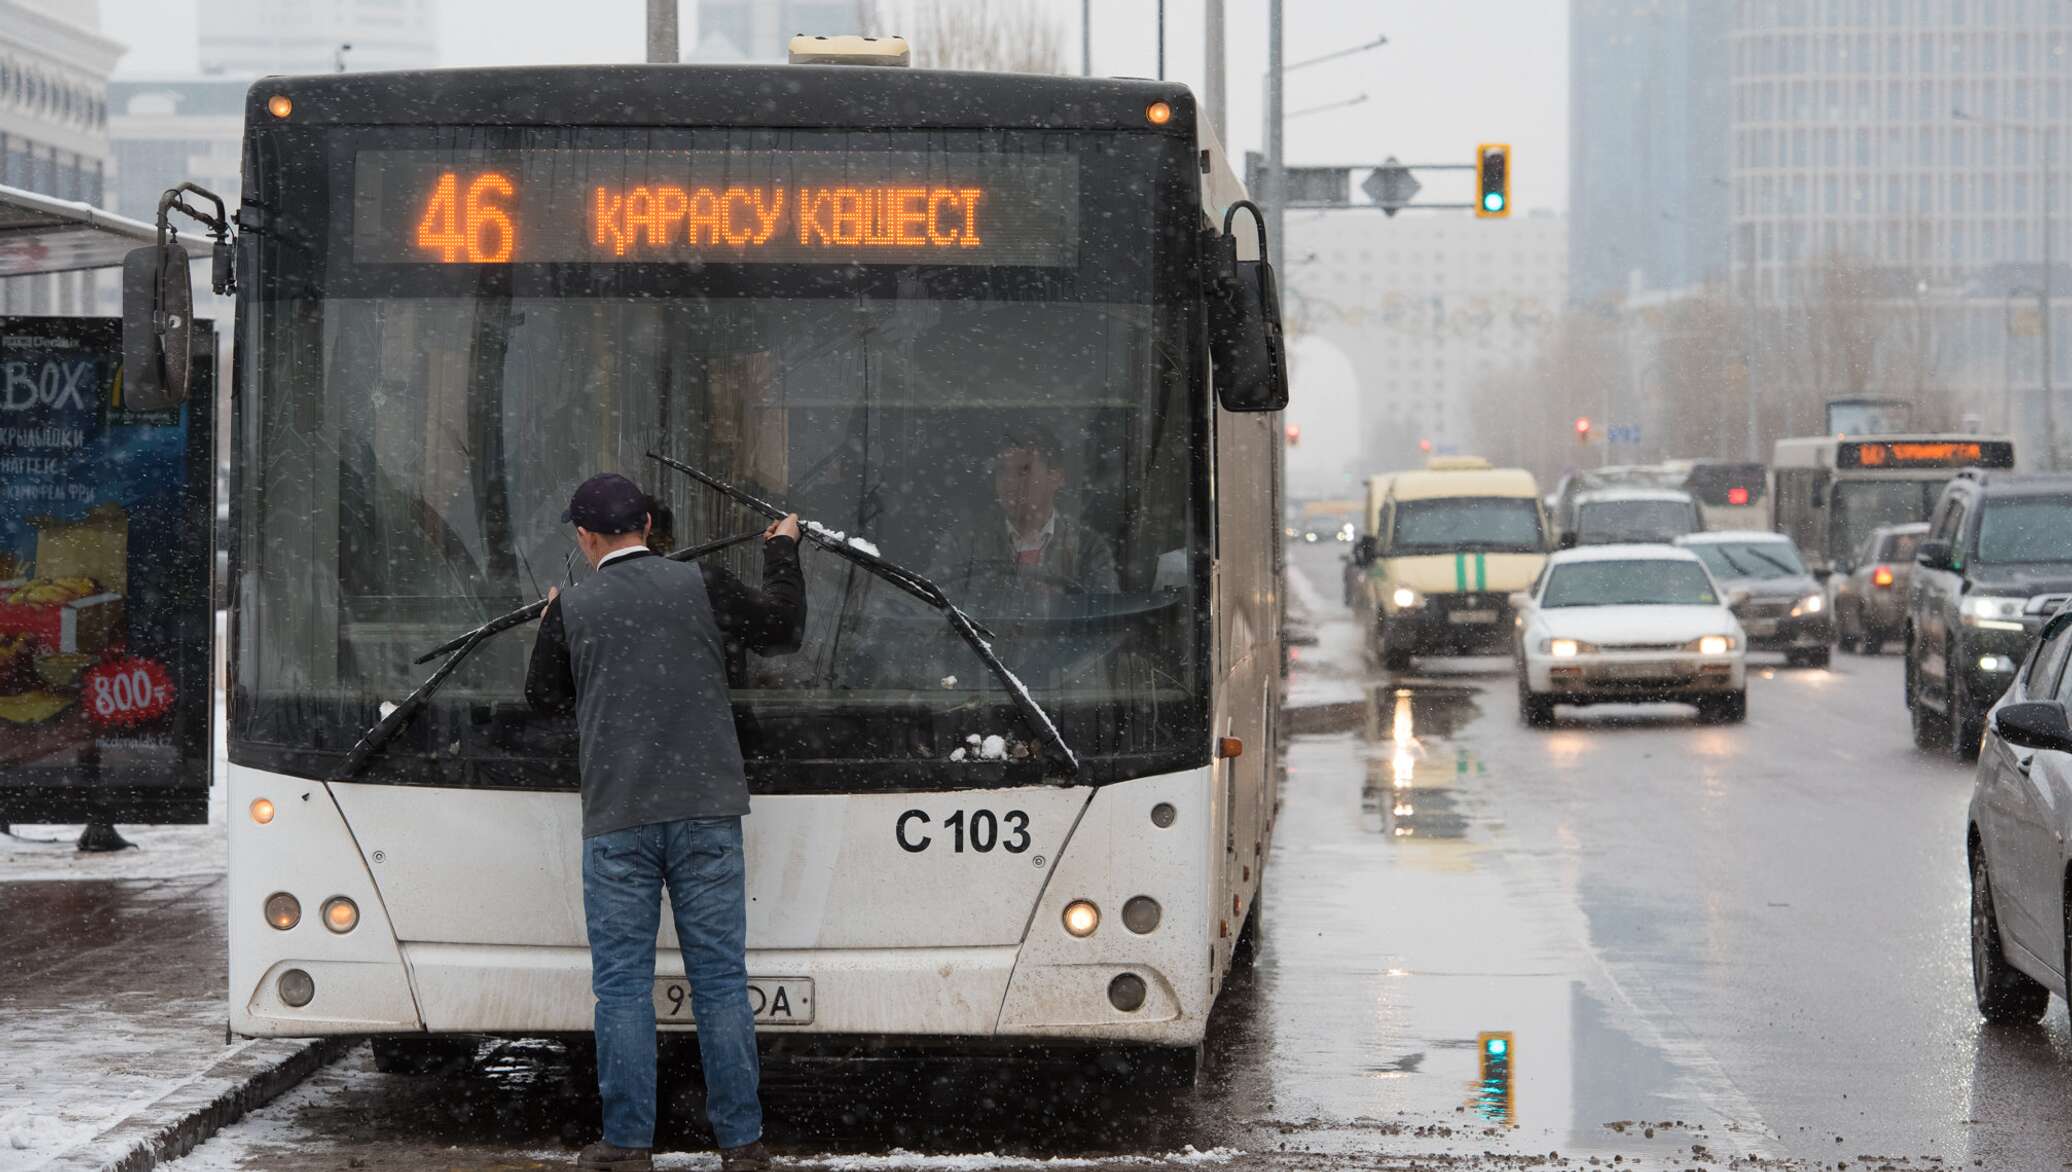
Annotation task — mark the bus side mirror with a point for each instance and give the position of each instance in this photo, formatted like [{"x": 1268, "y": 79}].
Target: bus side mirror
[
  {"x": 1246, "y": 348},
  {"x": 1568, "y": 540},
  {"x": 157, "y": 326},
  {"x": 1364, "y": 550}
]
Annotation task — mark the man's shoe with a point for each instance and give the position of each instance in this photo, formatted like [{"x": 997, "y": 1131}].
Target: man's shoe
[
  {"x": 606, "y": 1157},
  {"x": 749, "y": 1157}
]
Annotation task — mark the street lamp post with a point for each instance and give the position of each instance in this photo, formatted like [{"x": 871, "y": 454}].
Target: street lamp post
[{"x": 1276, "y": 119}]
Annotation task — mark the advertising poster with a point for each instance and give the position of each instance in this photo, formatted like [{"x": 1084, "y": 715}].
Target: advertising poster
[{"x": 105, "y": 554}]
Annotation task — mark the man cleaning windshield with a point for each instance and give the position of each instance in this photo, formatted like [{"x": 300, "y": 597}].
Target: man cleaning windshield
[
  {"x": 1024, "y": 537},
  {"x": 638, "y": 652}
]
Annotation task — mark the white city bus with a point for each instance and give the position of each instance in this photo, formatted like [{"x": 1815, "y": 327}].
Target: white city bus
[
  {"x": 460, "y": 293},
  {"x": 1829, "y": 492}
]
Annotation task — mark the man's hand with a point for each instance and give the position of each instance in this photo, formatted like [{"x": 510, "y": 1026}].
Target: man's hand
[
  {"x": 788, "y": 527},
  {"x": 553, "y": 592}
]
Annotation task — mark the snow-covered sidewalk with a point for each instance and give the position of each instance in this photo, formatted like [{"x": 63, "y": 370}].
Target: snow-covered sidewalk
[{"x": 112, "y": 998}]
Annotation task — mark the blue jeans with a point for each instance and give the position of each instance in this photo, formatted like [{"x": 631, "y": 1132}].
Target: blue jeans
[{"x": 623, "y": 873}]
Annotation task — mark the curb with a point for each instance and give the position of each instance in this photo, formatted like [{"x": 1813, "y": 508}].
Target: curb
[{"x": 245, "y": 1079}]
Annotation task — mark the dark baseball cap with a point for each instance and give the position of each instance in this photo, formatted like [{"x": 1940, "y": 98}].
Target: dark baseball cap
[{"x": 608, "y": 503}]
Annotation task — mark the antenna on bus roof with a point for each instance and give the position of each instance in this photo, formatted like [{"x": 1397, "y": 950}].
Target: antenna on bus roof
[{"x": 849, "y": 50}]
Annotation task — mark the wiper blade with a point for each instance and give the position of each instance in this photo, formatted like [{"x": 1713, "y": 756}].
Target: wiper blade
[
  {"x": 969, "y": 629},
  {"x": 392, "y": 721}
]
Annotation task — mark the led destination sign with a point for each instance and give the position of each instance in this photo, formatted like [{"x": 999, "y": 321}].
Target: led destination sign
[
  {"x": 1924, "y": 454},
  {"x": 679, "y": 207}
]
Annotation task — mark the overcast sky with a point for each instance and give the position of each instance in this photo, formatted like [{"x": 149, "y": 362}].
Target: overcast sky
[{"x": 1452, "y": 75}]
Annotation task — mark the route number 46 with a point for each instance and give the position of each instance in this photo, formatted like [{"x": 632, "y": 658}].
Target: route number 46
[
  {"x": 467, "y": 226},
  {"x": 981, "y": 831}
]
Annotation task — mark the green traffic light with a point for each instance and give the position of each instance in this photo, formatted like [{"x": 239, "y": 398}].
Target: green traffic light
[
  {"x": 1493, "y": 201},
  {"x": 1498, "y": 1047}
]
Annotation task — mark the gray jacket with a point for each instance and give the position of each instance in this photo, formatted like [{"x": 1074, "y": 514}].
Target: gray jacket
[{"x": 638, "y": 651}]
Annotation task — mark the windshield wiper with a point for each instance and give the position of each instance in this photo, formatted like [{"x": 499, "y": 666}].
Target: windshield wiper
[
  {"x": 969, "y": 629},
  {"x": 1783, "y": 568},
  {"x": 393, "y": 720},
  {"x": 1740, "y": 571}
]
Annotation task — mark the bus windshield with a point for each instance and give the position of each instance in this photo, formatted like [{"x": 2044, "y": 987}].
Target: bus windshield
[
  {"x": 409, "y": 444},
  {"x": 1863, "y": 505},
  {"x": 1448, "y": 524}
]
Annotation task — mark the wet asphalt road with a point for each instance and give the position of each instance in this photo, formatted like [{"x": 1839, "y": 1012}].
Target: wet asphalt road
[{"x": 1710, "y": 946}]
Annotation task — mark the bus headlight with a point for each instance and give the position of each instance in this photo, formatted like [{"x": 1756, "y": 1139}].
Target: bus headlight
[
  {"x": 1081, "y": 918},
  {"x": 1405, "y": 598},
  {"x": 341, "y": 915},
  {"x": 283, "y": 911},
  {"x": 1126, "y": 992}
]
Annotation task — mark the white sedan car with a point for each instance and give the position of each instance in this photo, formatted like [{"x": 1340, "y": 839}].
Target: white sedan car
[{"x": 1629, "y": 624}]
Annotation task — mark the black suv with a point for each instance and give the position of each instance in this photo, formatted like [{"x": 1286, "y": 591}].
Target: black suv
[{"x": 1996, "y": 563}]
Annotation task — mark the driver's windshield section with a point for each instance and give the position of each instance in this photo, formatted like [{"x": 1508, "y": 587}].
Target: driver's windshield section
[
  {"x": 1450, "y": 524},
  {"x": 1629, "y": 582},
  {"x": 2012, "y": 532},
  {"x": 1754, "y": 560}
]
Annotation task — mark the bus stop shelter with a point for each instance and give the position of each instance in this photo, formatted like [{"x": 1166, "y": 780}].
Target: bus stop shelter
[{"x": 39, "y": 234}]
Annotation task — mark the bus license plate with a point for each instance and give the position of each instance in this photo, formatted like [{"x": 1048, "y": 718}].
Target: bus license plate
[
  {"x": 777, "y": 1001},
  {"x": 1472, "y": 616}
]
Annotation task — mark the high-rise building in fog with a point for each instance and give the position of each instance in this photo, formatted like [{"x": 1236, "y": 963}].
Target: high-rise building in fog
[
  {"x": 1904, "y": 135},
  {"x": 1648, "y": 114},
  {"x": 761, "y": 30},
  {"x": 251, "y": 38},
  {"x": 54, "y": 66},
  {"x": 1424, "y": 307}
]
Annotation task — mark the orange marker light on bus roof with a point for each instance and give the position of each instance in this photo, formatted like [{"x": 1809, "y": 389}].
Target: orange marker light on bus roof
[
  {"x": 279, "y": 106},
  {"x": 262, "y": 810},
  {"x": 1158, "y": 113}
]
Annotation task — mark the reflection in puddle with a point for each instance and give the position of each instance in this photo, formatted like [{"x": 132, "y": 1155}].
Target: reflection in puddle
[
  {"x": 1411, "y": 790},
  {"x": 1492, "y": 1099}
]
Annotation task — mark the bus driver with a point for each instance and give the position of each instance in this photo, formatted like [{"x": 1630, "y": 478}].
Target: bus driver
[{"x": 1024, "y": 535}]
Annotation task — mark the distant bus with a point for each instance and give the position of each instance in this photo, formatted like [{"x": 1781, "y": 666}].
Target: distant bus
[{"x": 1829, "y": 492}]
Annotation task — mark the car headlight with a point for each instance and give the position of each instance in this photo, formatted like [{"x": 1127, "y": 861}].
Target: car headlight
[
  {"x": 1405, "y": 598},
  {"x": 1565, "y": 648},
  {"x": 1714, "y": 645},
  {"x": 1993, "y": 611},
  {"x": 1810, "y": 604}
]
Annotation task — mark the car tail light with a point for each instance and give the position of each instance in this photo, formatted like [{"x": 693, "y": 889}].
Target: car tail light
[{"x": 1882, "y": 577}]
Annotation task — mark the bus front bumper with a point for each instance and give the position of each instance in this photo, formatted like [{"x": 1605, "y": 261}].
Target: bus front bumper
[{"x": 1032, "y": 981}]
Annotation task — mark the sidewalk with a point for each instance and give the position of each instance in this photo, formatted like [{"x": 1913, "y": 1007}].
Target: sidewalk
[
  {"x": 112, "y": 1000},
  {"x": 112, "y": 995}
]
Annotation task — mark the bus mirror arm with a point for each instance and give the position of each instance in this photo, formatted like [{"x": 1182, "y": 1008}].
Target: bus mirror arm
[
  {"x": 158, "y": 302},
  {"x": 969, "y": 629},
  {"x": 394, "y": 719},
  {"x": 1247, "y": 352}
]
